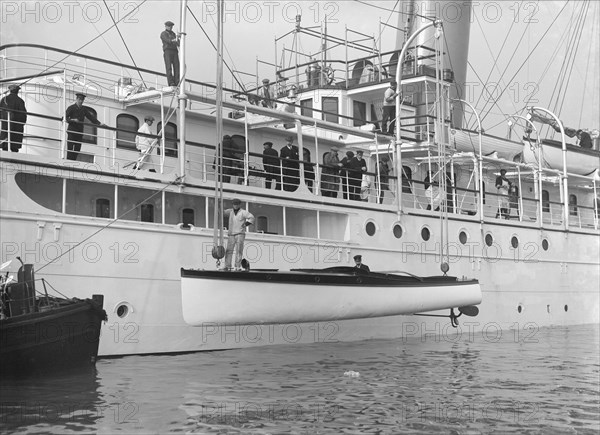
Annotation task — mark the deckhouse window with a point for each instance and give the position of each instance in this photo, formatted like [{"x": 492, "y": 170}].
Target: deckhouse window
[
  {"x": 126, "y": 139},
  {"x": 359, "y": 110},
  {"x": 374, "y": 117},
  {"x": 306, "y": 107},
  {"x": 187, "y": 217},
  {"x": 573, "y": 205},
  {"x": 147, "y": 213},
  {"x": 103, "y": 208},
  {"x": 170, "y": 139},
  {"x": 545, "y": 201},
  {"x": 90, "y": 131},
  {"x": 406, "y": 179},
  {"x": 330, "y": 109}
]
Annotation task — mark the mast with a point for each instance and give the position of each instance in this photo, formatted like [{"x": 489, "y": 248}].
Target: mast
[
  {"x": 218, "y": 251},
  {"x": 182, "y": 96}
]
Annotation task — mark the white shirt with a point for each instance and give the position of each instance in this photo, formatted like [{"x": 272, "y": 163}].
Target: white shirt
[
  {"x": 389, "y": 94},
  {"x": 142, "y": 143}
]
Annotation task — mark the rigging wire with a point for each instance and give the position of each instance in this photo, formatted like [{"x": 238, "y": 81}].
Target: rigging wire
[
  {"x": 495, "y": 100},
  {"x": 175, "y": 181},
  {"x": 107, "y": 44},
  {"x": 240, "y": 84},
  {"x": 530, "y": 54},
  {"x": 496, "y": 58},
  {"x": 124, "y": 43},
  {"x": 394, "y": 10},
  {"x": 573, "y": 54},
  {"x": 387, "y": 21},
  {"x": 86, "y": 44},
  {"x": 587, "y": 68}
]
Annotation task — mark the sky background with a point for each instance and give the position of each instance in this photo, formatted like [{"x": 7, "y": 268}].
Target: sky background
[{"x": 503, "y": 34}]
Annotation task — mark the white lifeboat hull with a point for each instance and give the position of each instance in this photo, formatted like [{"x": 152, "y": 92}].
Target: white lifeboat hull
[{"x": 270, "y": 297}]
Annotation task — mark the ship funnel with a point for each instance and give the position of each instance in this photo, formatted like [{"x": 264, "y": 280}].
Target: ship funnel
[{"x": 456, "y": 20}]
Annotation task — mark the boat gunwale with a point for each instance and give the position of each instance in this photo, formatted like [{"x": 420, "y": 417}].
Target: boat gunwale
[{"x": 338, "y": 276}]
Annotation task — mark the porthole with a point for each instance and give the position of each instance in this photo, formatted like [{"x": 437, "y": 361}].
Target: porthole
[
  {"x": 489, "y": 239},
  {"x": 548, "y": 308},
  {"x": 370, "y": 228},
  {"x": 519, "y": 309},
  {"x": 463, "y": 237},
  {"x": 425, "y": 233},
  {"x": 122, "y": 310},
  {"x": 514, "y": 242},
  {"x": 566, "y": 308},
  {"x": 545, "y": 244},
  {"x": 397, "y": 231}
]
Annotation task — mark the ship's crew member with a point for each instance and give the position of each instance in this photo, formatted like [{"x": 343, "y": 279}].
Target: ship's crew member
[
  {"x": 75, "y": 115},
  {"x": 344, "y": 172},
  {"x": 145, "y": 145},
  {"x": 309, "y": 171},
  {"x": 170, "y": 43},
  {"x": 389, "y": 109},
  {"x": 291, "y": 168},
  {"x": 330, "y": 181},
  {"x": 271, "y": 165},
  {"x": 264, "y": 92},
  {"x": 432, "y": 192},
  {"x": 359, "y": 264},
  {"x": 513, "y": 200},
  {"x": 238, "y": 220},
  {"x": 585, "y": 140},
  {"x": 502, "y": 184},
  {"x": 232, "y": 163},
  {"x": 357, "y": 167},
  {"x": 14, "y": 116},
  {"x": 382, "y": 177}
]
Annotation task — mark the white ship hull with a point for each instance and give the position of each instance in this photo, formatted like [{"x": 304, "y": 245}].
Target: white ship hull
[{"x": 522, "y": 288}]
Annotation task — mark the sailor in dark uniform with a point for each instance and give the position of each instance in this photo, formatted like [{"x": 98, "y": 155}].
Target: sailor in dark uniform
[
  {"x": 75, "y": 116},
  {"x": 170, "y": 42},
  {"x": 359, "y": 264},
  {"x": 14, "y": 117}
]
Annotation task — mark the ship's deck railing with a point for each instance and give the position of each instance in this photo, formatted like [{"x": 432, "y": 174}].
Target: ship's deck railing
[
  {"x": 355, "y": 72},
  {"x": 43, "y": 136}
]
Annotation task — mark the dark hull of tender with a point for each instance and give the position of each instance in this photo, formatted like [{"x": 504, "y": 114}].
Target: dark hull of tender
[{"x": 60, "y": 338}]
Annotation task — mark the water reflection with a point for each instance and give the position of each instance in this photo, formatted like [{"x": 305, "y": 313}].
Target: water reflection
[{"x": 68, "y": 400}]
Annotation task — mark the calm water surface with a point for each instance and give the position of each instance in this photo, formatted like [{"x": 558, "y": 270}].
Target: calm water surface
[{"x": 542, "y": 382}]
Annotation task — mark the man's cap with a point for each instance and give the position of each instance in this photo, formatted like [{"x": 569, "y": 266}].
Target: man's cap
[
  {"x": 361, "y": 152},
  {"x": 236, "y": 201},
  {"x": 336, "y": 149},
  {"x": 266, "y": 81},
  {"x": 169, "y": 23},
  {"x": 80, "y": 95},
  {"x": 393, "y": 84},
  {"x": 268, "y": 143},
  {"x": 14, "y": 88},
  {"x": 502, "y": 170},
  {"x": 349, "y": 153},
  {"x": 149, "y": 118},
  {"x": 289, "y": 139},
  {"x": 358, "y": 257}
]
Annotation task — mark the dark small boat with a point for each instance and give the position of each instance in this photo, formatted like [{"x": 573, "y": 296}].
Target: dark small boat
[{"x": 41, "y": 333}]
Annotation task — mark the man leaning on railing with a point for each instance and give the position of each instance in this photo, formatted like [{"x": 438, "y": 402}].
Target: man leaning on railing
[{"x": 14, "y": 116}]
